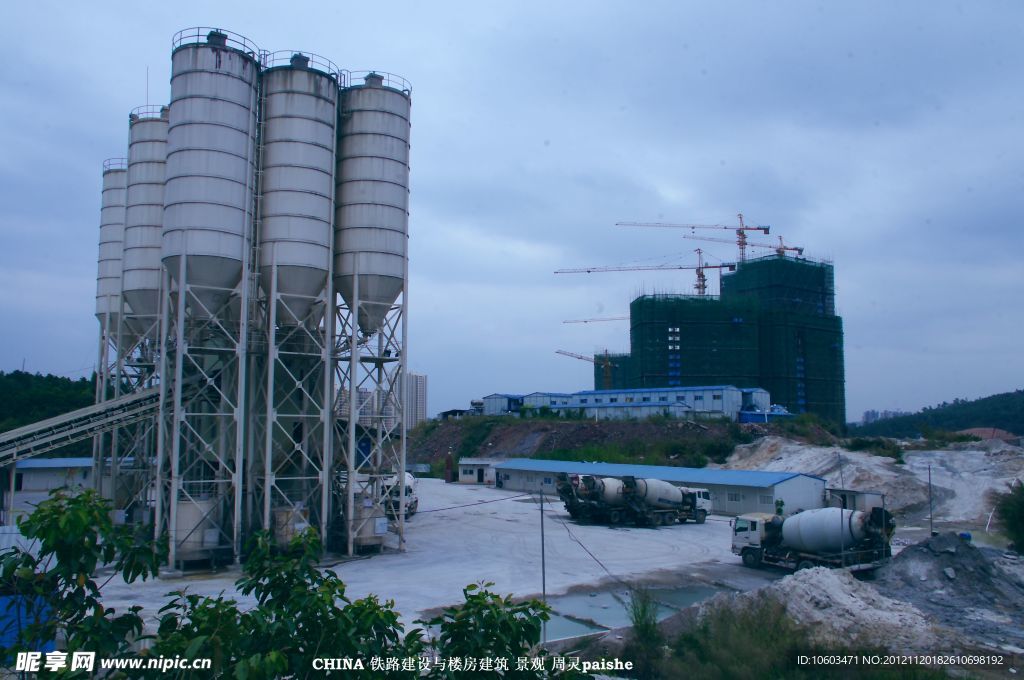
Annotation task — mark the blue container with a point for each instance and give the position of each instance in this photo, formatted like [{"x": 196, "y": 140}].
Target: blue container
[{"x": 18, "y": 612}]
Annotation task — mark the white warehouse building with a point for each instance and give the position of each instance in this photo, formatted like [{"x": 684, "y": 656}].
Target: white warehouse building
[
  {"x": 733, "y": 492},
  {"x": 680, "y": 402}
]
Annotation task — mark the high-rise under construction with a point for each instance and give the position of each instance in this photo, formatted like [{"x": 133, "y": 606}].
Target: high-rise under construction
[{"x": 774, "y": 326}]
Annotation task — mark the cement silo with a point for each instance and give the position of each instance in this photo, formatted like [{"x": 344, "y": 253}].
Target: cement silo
[
  {"x": 207, "y": 254},
  {"x": 297, "y": 183},
  {"x": 144, "y": 213},
  {"x": 299, "y": 117},
  {"x": 260, "y": 263},
  {"x": 108, "y": 270},
  {"x": 370, "y": 274},
  {"x": 373, "y": 195},
  {"x": 211, "y": 157}
]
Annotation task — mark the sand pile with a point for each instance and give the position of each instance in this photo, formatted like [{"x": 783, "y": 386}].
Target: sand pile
[
  {"x": 962, "y": 479},
  {"x": 839, "y": 467}
]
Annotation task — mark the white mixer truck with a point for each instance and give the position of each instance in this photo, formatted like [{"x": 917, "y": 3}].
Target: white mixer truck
[
  {"x": 831, "y": 537},
  {"x": 642, "y": 502}
]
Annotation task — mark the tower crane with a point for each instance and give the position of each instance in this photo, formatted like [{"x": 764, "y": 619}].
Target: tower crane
[
  {"x": 741, "y": 231},
  {"x": 604, "y": 362},
  {"x": 779, "y": 248},
  {"x": 701, "y": 286}
]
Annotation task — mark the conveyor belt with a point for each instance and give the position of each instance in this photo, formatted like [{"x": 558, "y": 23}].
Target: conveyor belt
[{"x": 53, "y": 433}]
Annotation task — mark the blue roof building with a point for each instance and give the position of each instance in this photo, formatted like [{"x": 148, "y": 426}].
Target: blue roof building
[{"x": 733, "y": 492}]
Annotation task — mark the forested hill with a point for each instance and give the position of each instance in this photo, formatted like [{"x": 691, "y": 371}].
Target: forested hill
[
  {"x": 26, "y": 397},
  {"x": 1005, "y": 411}
]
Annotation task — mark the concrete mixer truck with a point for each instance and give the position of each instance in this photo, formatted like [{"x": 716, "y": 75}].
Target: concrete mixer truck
[
  {"x": 828, "y": 537},
  {"x": 641, "y": 502}
]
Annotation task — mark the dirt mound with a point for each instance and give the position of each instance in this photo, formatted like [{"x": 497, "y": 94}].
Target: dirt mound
[
  {"x": 839, "y": 468},
  {"x": 961, "y": 587},
  {"x": 839, "y": 609}
]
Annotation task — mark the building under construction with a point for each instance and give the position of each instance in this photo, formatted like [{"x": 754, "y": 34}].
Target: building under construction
[{"x": 774, "y": 326}]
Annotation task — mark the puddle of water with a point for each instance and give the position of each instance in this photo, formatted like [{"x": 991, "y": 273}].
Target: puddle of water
[
  {"x": 560, "y": 628},
  {"x": 610, "y": 608},
  {"x": 683, "y": 596}
]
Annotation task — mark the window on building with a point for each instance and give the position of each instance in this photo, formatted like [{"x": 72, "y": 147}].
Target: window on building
[
  {"x": 766, "y": 500},
  {"x": 734, "y": 497},
  {"x": 698, "y": 397},
  {"x": 583, "y": 401},
  {"x": 646, "y": 399},
  {"x": 717, "y": 396},
  {"x": 468, "y": 471},
  {"x": 613, "y": 400},
  {"x": 681, "y": 398},
  {"x": 662, "y": 398},
  {"x": 598, "y": 400},
  {"x": 18, "y": 480},
  {"x": 629, "y": 400}
]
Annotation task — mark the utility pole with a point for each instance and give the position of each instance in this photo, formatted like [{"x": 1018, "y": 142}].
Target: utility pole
[{"x": 543, "y": 565}]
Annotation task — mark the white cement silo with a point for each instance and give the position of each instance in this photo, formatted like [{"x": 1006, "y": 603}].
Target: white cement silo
[
  {"x": 373, "y": 195},
  {"x": 108, "y": 268},
  {"x": 300, "y": 94},
  {"x": 144, "y": 212},
  {"x": 211, "y": 156}
]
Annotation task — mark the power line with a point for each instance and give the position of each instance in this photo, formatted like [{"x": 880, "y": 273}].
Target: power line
[
  {"x": 469, "y": 505},
  {"x": 591, "y": 554}
]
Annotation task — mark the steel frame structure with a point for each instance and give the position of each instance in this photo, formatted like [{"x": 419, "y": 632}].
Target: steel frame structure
[{"x": 371, "y": 429}]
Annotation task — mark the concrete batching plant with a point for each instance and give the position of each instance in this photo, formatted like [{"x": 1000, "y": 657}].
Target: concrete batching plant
[{"x": 253, "y": 273}]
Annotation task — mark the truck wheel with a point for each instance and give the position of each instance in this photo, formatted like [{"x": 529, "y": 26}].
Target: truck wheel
[
  {"x": 614, "y": 517},
  {"x": 804, "y": 564},
  {"x": 752, "y": 558},
  {"x": 701, "y": 516}
]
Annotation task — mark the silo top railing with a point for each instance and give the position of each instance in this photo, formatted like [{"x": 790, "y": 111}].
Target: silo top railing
[
  {"x": 316, "y": 62},
  {"x": 148, "y": 111},
  {"x": 115, "y": 164},
  {"x": 200, "y": 34},
  {"x": 395, "y": 82}
]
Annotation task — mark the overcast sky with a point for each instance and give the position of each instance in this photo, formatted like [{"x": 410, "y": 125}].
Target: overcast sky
[{"x": 884, "y": 136}]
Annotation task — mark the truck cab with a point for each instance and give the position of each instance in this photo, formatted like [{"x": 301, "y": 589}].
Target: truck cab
[
  {"x": 748, "y": 536},
  {"x": 701, "y": 504}
]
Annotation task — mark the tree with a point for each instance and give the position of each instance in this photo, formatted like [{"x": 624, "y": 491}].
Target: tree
[
  {"x": 301, "y": 613},
  {"x": 1010, "y": 508},
  {"x": 56, "y": 590}
]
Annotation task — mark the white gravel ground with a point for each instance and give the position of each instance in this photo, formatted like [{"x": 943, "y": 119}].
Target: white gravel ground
[{"x": 496, "y": 537}]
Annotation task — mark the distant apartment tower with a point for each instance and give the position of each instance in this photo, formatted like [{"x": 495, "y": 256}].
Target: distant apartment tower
[{"x": 415, "y": 399}]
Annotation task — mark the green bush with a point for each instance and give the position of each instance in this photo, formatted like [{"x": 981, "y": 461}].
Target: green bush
[
  {"x": 644, "y": 647},
  {"x": 475, "y": 432},
  {"x": 300, "y": 612},
  {"x": 879, "y": 446},
  {"x": 1010, "y": 509},
  {"x": 760, "y": 640},
  {"x": 717, "y": 449},
  {"x": 76, "y": 535}
]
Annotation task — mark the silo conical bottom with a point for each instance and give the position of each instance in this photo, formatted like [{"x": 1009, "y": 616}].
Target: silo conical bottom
[
  {"x": 298, "y": 288},
  {"x": 377, "y": 294},
  {"x": 212, "y": 280}
]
